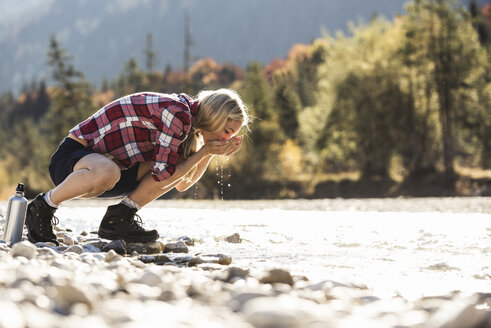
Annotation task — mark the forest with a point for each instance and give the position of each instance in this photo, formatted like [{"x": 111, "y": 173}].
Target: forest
[{"x": 391, "y": 108}]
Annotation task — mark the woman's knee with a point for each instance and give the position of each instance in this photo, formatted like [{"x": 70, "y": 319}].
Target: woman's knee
[{"x": 106, "y": 175}]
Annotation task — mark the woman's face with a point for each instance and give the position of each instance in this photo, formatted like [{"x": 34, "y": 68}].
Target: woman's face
[{"x": 230, "y": 130}]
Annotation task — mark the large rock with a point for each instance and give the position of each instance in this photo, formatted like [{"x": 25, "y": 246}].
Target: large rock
[
  {"x": 277, "y": 276},
  {"x": 119, "y": 246},
  {"x": 148, "y": 248},
  {"x": 25, "y": 249}
]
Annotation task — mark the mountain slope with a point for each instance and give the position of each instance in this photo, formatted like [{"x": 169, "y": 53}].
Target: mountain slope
[{"x": 103, "y": 35}]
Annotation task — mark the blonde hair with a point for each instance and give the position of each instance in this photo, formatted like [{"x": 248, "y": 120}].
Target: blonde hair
[{"x": 215, "y": 108}]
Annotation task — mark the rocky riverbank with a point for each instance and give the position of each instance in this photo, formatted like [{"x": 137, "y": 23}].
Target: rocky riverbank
[{"x": 90, "y": 282}]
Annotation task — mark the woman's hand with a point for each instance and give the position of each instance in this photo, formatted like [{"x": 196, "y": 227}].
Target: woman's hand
[
  {"x": 226, "y": 147},
  {"x": 237, "y": 140}
]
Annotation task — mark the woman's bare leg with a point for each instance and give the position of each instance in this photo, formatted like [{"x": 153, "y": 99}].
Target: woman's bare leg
[{"x": 92, "y": 175}]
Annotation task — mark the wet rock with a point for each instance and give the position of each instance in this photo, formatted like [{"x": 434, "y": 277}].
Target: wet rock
[
  {"x": 188, "y": 241},
  {"x": 74, "y": 249},
  {"x": 119, "y": 246},
  {"x": 148, "y": 248},
  {"x": 176, "y": 247},
  {"x": 277, "y": 276},
  {"x": 180, "y": 259},
  {"x": 157, "y": 259},
  {"x": 25, "y": 249},
  {"x": 112, "y": 256},
  {"x": 211, "y": 258},
  {"x": 234, "y": 239}
]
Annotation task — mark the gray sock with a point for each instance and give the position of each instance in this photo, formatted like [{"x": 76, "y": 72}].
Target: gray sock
[
  {"x": 128, "y": 202},
  {"x": 47, "y": 199}
]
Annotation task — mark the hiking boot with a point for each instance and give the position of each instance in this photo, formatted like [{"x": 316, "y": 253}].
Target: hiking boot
[
  {"x": 122, "y": 222},
  {"x": 40, "y": 220}
]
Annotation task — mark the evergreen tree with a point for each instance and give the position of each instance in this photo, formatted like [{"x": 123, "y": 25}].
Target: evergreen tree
[
  {"x": 287, "y": 103},
  {"x": 133, "y": 76},
  {"x": 71, "y": 100},
  {"x": 362, "y": 98},
  {"x": 149, "y": 54},
  {"x": 452, "y": 58},
  {"x": 257, "y": 92}
]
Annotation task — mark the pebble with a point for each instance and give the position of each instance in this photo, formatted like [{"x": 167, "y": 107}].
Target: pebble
[
  {"x": 10, "y": 315},
  {"x": 91, "y": 248},
  {"x": 150, "y": 278},
  {"x": 157, "y": 259},
  {"x": 176, "y": 247},
  {"x": 150, "y": 248},
  {"x": 79, "y": 285},
  {"x": 112, "y": 256},
  {"x": 187, "y": 240},
  {"x": 70, "y": 294},
  {"x": 232, "y": 274},
  {"x": 96, "y": 242},
  {"x": 25, "y": 249},
  {"x": 277, "y": 276},
  {"x": 215, "y": 258},
  {"x": 119, "y": 246},
  {"x": 75, "y": 249},
  {"x": 234, "y": 239}
]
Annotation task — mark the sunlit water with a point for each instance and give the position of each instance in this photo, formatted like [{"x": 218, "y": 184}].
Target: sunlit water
[{"x": 407, "y": 247}]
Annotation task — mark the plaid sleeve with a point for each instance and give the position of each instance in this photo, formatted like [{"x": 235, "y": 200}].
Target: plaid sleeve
[{"x": 174, "y": 130}]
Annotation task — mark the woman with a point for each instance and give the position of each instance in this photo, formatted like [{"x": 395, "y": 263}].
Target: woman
[{"x": 139, "y": 147}]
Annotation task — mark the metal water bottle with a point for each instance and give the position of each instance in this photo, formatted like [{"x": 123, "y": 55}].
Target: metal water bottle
[{"x": 16, "y": 216}]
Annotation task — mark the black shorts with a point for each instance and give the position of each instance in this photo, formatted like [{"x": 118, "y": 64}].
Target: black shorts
[{"x": 69, "y": 152}]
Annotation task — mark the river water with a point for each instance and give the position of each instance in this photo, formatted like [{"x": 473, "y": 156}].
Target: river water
[{"x": 410, "y": 247}]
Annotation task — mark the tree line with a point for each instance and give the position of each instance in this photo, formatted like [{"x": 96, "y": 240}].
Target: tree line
[{"x": 393, "y": 107}]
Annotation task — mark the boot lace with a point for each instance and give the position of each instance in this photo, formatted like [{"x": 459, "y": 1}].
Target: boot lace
[
  {"x": 46, "y": 225},
  {"x": 136, "y": 222}
]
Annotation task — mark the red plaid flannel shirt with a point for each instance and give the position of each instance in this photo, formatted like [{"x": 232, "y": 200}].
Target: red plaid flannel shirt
[{"x": 141, "y": 127}]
